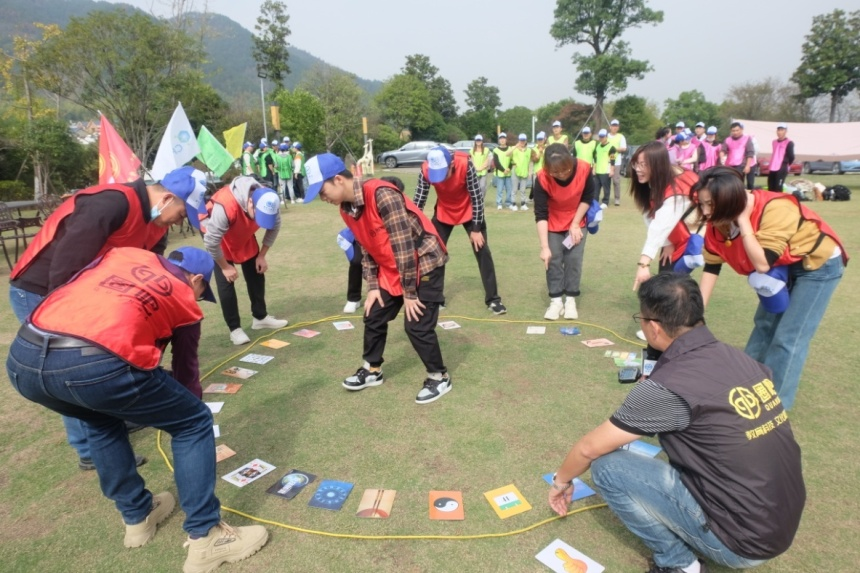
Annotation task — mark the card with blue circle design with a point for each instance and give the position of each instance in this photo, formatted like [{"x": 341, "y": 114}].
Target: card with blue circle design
[
  {"x": 580, "y": 488},
  {"x": 331, "y": 494}
]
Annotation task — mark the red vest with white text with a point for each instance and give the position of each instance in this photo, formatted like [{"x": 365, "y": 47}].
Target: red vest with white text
[
  {"x": 239, "y": 243},
  {"x": 736, "y": 150},
  {"x": 453, "y": 202},
  {"x": 564, "y": 200},
  {"x": 127, "y": 302}
]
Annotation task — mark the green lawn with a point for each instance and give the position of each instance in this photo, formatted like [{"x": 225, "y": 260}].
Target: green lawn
[{"x": 517, "y": 405}]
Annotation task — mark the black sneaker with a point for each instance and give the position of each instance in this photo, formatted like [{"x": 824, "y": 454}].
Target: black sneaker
[
  {"x": 86, "y": 464},
  {"x": 434, "y": 389},
  {"x": 362, "y": 379},
  {"x": 655, "y": 569},
  {"x": 497, "y": 308}
]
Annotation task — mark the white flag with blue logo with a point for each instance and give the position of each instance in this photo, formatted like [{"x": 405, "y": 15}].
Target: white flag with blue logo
[{"x": 178, "y": 146}]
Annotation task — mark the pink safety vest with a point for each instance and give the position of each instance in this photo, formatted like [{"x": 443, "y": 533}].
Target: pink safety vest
[
  {"x": 736, "y": 150},
  {"x": 778, "y": 155}
]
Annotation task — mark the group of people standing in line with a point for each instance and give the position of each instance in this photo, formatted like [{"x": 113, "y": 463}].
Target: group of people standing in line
[{"x": 281, "y": 163}]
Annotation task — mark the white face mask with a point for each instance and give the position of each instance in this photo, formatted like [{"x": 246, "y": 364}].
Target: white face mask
[{"x": 155, "y": 212}]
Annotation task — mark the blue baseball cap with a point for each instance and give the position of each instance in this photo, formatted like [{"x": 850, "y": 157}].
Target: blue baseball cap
[
  {"x": 197, "y": 262},
  {"x": 540, "y": 135},
  {"x": 503, "y": 134},
  {"x": 712, "y": 130},
  {"x": 438, "y": 161},
  {"x": 772, "y": 288},
  {"x": 188, "y": 184},
  {"x": 692, "y": 257},
  {"x": 345, "y": 240},
  {"x": 602, "y": 133},
  {"x": 267, "y": 205},
  {"x": 319, "y": 168},
  {"x": 284, "y": 147},
  {"x": 593, "y": 217}
]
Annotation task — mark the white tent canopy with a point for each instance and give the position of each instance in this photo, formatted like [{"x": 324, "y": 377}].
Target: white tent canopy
[{"x": 812, "y": 141}]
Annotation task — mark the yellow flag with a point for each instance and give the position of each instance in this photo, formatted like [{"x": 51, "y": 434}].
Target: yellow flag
[{"x": 234, "y": 138}]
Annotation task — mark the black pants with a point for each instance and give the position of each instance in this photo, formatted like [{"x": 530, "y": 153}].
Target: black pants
[
  {"x": 484, "y": 257},
  {"x": 353, "y": 285},
  {"x": 256, "y": 283},
  {"x": 602, "y": 181},
  {"x": 421, "y": 333},
  {"x": 775, "y": 179},
  {"x": 299, "y": 186},
  {"x": 749, "y": 177}
]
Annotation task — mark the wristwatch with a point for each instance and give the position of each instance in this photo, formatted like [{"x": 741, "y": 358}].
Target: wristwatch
[{"x": 557, "y": 487}]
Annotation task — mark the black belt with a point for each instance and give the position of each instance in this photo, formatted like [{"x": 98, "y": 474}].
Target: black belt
[{"x": 27, "y": 333}]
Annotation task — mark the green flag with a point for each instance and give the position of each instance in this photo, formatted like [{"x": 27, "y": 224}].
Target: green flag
[{"x": 212, "y": 153}]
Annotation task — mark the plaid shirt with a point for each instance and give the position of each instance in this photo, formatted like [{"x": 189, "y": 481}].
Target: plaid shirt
[
  {"x": 472, "y": 186},
  {"x": 405, "y": 232}
]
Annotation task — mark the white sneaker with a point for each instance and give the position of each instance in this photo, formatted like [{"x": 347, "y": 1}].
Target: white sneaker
[
  {"x": 570, "y": 308},
  {"x": 555, "y": 309},
  {"x": 513, "y": 208},
  {"x": 268, "y": 322},
  {"x": 640, "y": 335},
  {"x": 300, "y": 200},
  {"x": 292, "y": 202},
  {"x": 499, "y": 207},
  {"x": 524, "y": 207},
  {"x": 350, "y": 307},
  {"x": 238, "y": 337},
  {"x": 603, "y": 205}
]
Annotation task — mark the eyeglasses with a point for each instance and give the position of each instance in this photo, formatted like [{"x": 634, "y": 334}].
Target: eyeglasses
[
  {"x": 637, "y": 318},
  {"x": 639, "y": 166}
]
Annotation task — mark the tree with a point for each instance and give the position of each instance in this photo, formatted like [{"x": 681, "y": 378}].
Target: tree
[
  {"x": 405, "y": 103},
  {"x": 302, "y": 114},
  {"x": 516, "y": 120},
  {"x": 638, "y": 118},
  {"x": 570, "y": 113},
  {"x": 441, "y": 94},
  {"x": 482, "y": 97},
  {"x": 270, "y": 42},
  {"x": 767, "y": 100},
  {"x": 475, "y": 122},
  {"x": 599, "y": 24},
  {"x": 691, "y": 107},
  {"x": 831, "y": 58},
  {"x": 340, "y": 97}
]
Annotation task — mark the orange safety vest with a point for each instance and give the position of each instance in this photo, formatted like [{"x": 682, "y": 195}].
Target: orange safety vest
[
  {"x": 732, "y": 250},
  {"x": 134, "y": 232},
  {"x": 127, "y": 303},
  {"x": 453, "y": 203},
  {"x": 370, "y": 232},
  {"x": 240, "y": 241},
  {"x": 680, "y": 235},
  {"x": 564, "y": 201}
]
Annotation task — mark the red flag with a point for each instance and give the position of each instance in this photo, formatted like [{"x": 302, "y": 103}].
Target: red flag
[{"x": 117, "y": 163}]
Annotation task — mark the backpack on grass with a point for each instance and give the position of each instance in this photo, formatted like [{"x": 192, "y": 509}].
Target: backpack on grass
[{"x": 837, "y": 193}]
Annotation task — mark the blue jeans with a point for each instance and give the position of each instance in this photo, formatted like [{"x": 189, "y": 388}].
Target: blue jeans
[
  {"x": 781, "y": 341},
  {"x": 23, "y": 303},
  {"x": 503, "y": 184},
  {"x": 648, "y": 496},
  {"x": 104, "y": 391},
  {"x": 520, "y": 191}
]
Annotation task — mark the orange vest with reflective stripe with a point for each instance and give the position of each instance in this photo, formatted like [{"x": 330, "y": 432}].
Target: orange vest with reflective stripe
[
  {"x": 134, "y": 232},
  {"x": 370, "y": 232},
  {"x": 564, "y": 201},
  {"x": 127, "y": 302},
  {"x": 239, "y": 243},
  {"x": 453, "y": 203}
]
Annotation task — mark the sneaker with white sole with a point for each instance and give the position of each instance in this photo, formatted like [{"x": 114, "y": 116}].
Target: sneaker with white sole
[
  {"x": 570, "y": 309},
  {"x": 555, "y": 309},
  {"x": 140, "y": 534},
  {"x": 498, "y": 308},
  {"x": 350, "y": 306},
  {"x": 363, "y": 378},
  {"x": 603, "y": 205},
  {"x": 498, "y": 207},
  {"x": 513, "y": 208},
  {"x": 300, "y": 200},
  {"x": 524, "y": 207},
  {"x": 434, "y": 389},
  {"x": 268, "y": 322},
  {"x": 238, "y": 337},
  {"x": 223, "y": 544}
]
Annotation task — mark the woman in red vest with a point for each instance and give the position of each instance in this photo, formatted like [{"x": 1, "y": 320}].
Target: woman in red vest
[
  {"x": 755, "y": 232},
  {"x": 404, "y": 266},
  {"x": 563, "y": 191}
]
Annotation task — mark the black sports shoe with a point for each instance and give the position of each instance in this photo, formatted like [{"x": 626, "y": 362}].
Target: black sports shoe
[
  {"x": 362, "y": 379},
  {"x": 655, "y": 569},
  {"x": 434, "y": 389},
  {"x": 86, "y": 464},
  {"x": 497, "y": 308}
]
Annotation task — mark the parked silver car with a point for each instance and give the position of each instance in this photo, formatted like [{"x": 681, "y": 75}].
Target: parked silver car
[{"x": 412, "y": 152}]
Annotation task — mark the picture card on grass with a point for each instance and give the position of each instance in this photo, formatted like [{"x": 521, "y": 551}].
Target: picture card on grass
[
  {"x": 274, "y": 343},
  {"x": 507, "y": 501},
  {"x": 580, "y": 488},
  {"x": 215, "y": 407},
  {"x": 222, "y": 389},
  {"x": 562, "y": 558},
  {"x": 239, "y": 372},
  {"x": 447, "y": 505},
  {"x": 595, "y": 342},
  {"x": 331, "y": 494},
  {"x": 223, "y": 452},
  {"x": 343, "y": 325},
  {"x": 448, "y": 325},
  {"x": 216, "y": 429},
  {"x": 305, "y": 333},
  {"x": 376, "y": 503},
  {"x": 252, "y": 471},
  {"x": 256, "y": 358},
  {"x": 535, "y": 330},
  {"x": 291, "y": 484}
]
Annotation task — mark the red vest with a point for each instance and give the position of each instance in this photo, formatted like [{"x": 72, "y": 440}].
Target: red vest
[
  {"x": 712, "y": 155},
  {"x": 240, "y": 241},
  {"x": 732, "y": 251},
  {"x": 564, "y": 201},
  {"x": 134, "y": 232},
  {"x": 736, "y": 149},
  {"x": 680, "y": 234},
  {"x": 453, "y": 203},
  {"x": 370, "y": 232},
  {"x": 127, "y": 302}
]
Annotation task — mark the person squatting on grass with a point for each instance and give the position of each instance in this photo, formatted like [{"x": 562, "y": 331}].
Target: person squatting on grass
[
  {"x": 793, "y": 259},
  {"x": 91, "y": 350},
  {"x": 733, "y": 489},
  {"x": 404, "y": 266}
]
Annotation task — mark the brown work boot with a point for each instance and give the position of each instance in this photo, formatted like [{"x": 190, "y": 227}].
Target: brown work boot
[
  {"x": 223, "y": 544},
  {"x": 139, "y": 534}
]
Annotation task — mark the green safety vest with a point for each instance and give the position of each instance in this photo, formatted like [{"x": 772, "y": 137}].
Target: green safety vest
[
  {"x": 561, "y": 139},
  {"x": 585, "y": 151},
  {"x": 615, "y": 140},
  {"x": 249, "y": 164},
  {"x": 503, "y": 160},
  {"x": 601, "y": 160},
  {"x": 541, "y": 151},
  {"x": 479, "y": 159},
  {"x": 284, "y": 165},
  {"x": 521, "y": 159},
  {"x": 264, "y": 171}
]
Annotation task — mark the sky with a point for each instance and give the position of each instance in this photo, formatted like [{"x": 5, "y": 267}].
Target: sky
[{"x": 706, "y": 46}]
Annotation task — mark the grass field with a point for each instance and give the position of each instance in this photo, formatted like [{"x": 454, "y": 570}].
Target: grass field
[{"x": 517, "y": 405}]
